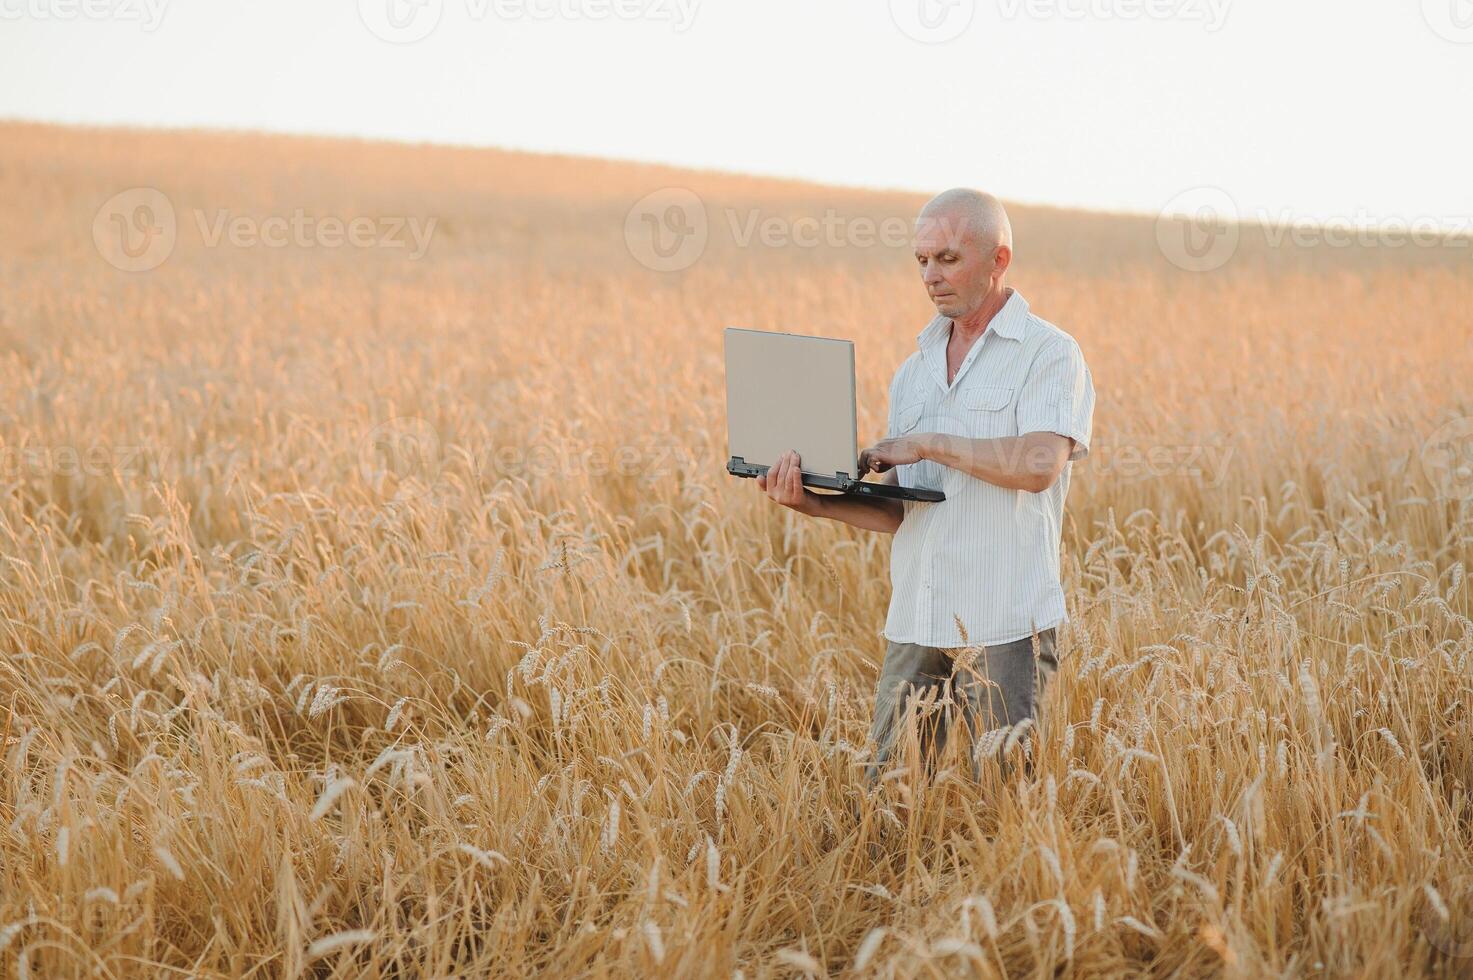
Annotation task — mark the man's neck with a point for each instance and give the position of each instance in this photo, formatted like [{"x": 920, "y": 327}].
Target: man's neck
[{"x": 966, "y": 329}]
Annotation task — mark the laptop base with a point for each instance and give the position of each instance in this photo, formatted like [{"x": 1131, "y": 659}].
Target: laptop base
[{"x": 737, "y": 466}]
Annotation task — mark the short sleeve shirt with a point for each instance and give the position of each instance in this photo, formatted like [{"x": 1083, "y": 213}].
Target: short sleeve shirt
[{"x": 986, "y": 559}]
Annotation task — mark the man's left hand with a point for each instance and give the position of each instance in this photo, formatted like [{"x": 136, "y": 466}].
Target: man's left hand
[{"x": 889, "y": 453}]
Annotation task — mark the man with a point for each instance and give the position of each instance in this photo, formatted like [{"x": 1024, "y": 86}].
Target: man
[{"x": 992, "y": 408}]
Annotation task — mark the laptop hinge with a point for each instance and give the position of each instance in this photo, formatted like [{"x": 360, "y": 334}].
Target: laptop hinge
[{"x": 737, "y": 466}]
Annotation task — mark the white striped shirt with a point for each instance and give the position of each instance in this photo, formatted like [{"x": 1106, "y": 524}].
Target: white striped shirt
[{"x": 986, "y": 555}]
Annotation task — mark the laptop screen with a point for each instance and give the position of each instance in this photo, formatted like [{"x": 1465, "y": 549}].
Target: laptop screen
[{"x": 789, "y": 391}]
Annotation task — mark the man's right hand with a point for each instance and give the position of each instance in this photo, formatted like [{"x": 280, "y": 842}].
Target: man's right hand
[{"x": 783, "y": 482}]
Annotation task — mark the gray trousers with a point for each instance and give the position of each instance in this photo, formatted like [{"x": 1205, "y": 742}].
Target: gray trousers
[{"x": 1000, "y": 687}]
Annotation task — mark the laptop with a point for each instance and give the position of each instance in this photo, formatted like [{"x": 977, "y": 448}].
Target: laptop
[{"x": 790, "y": 391}]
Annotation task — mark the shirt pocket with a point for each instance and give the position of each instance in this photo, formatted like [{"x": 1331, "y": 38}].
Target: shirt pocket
[
  {"x": 987, "y": 411},
  {"x": 908, "y": 418},
  {"x": 925, "y": 473}
]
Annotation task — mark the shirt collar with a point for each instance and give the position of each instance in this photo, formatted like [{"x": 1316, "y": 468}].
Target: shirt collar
[{"x": 1011, "y": 321}]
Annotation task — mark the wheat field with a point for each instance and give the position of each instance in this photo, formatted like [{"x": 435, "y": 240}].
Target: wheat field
[{"x": 370, "y": 614}]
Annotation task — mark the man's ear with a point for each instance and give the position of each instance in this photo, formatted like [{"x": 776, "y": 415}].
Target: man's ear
[{"x": 1001, "y": 260}]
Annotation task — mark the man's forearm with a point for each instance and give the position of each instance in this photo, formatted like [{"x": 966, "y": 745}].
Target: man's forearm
[
  {"x": 1011, "y": 462},
  {"x": 869, "y": 513}
]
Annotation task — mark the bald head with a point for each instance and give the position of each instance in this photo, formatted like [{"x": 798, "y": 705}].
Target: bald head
[
  {"x": 975, "y": 217},
  {"x": 964, "y": 245}
]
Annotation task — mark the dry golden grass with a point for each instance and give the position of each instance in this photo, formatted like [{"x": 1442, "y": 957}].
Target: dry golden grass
[{"x": 336, "y": 658}]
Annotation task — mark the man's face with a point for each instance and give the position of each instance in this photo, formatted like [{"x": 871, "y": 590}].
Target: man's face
[{"x": 957, "y": 269}]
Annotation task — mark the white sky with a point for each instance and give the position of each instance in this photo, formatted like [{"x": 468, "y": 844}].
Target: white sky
[{"x": 1326, "y": 109}]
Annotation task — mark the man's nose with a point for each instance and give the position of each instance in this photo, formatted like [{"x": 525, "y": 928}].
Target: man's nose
[{"x": 930, "y": 274}]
